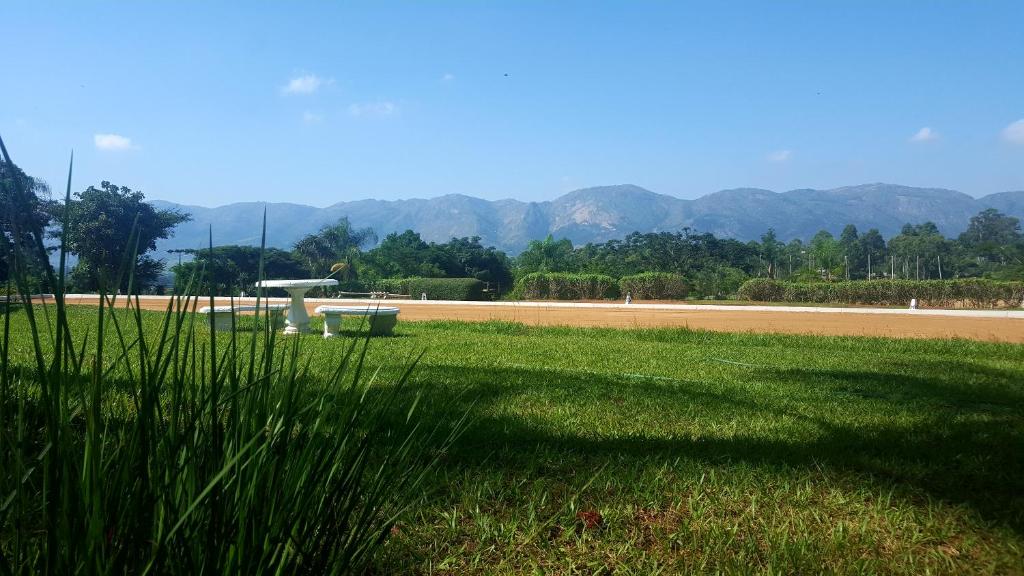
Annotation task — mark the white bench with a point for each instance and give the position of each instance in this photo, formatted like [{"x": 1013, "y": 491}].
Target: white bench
[
  {"x": 382, "y": 320},
  {"x": 221, "y": 315}
]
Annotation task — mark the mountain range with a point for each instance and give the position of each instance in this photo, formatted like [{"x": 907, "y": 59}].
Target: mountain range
[{"x": 600, "y": 214}]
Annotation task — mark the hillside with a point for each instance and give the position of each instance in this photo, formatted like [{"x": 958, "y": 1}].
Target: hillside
[{"x": 602, "y": 213}]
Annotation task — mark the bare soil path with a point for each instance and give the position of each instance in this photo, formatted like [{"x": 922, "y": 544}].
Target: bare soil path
[{"x": 980, "y": 325}]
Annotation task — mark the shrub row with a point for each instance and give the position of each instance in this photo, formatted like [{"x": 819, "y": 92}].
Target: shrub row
[
  {"x": 566, "y": 286},
  {"x": 654, "y": 286},
  {"x": 970, "y": 292},
  {"x": 435, "y": 288}
]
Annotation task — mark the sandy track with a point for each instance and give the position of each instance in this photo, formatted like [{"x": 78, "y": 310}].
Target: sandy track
[{"x": 861, "y": 323}]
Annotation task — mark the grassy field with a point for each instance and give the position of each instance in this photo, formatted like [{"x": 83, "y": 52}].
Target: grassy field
[{"x": 672, "y": 451}]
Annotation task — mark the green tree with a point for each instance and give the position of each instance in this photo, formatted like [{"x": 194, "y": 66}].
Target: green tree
[
  {"x": 472, "y": 260},
  {"x": 827, "y": 253},
  {"x": 406, "y": 255},
  {"x": 24, "y": 215},
  {"x": 771, "y": 251},
  {"x": 849, "y": 249},
  {"x": 548, "y": 255},
  {"x": 917, "y": 251},
  {"x": 338, "y": 242},
  {"x": 991, "y": 227},
  {"x": 794, "y": 255},
  {"x": 235, "y": 269},
  {"x": 872, "y": 251},
  {"x": 992, "y": 236},
  {"x": 99, "y": 228}
]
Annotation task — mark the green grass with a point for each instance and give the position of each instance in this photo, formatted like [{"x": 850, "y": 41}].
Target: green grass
[{"x": 674, "y": 451}]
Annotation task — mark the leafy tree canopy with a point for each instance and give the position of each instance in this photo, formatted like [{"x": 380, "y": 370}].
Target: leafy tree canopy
[
  {"x": 235, "y": 269},
  {"x": 547, "y": 255},
  {"x": 24, "y": 215},
  {"x": 990, "y": 229},
  {"x": 99, "y": 231},
  {"x": 336, "y": 243}
]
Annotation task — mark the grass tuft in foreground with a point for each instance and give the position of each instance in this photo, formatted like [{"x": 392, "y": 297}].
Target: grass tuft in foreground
[{"x": 133, "y": 443}]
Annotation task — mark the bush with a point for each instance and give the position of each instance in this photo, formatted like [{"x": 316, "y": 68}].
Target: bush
[
  {"x": 718, "y": 282},
  {"x": 435, "y": 288},
  {"x": 566, "y": 286},
  {"x": 969, "y": 292},
  {"x": 762, "y": 290},
  {"x": 654, "y": 286}
]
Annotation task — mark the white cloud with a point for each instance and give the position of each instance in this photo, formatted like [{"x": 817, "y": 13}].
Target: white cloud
[
  {"x": 1014, "y": 133},
  {"x": 312, "y": 117},
  {"x": 780, "y": 156},
  {"x": 112, "y": 142},
  {"x": 448, "y": 77},
  {"x": 925, "y": 134},
  {"x": 305, "y": 84},
  {"x": 372, "y": 109}
]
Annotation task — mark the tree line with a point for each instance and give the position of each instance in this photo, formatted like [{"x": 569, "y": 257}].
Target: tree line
[
  {"x": 991, "y": 247},
  {"x": 104, "y": 225},
  {"x": 341, "y": 251}
]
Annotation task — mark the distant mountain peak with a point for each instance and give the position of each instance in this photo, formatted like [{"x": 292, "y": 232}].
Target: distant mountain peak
[{"x": 601, "y": 213}]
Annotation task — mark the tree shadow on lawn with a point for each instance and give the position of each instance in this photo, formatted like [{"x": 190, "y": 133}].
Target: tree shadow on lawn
[
  {"x": 957, "y": 434},
  {"x": 960, "y": 444}
]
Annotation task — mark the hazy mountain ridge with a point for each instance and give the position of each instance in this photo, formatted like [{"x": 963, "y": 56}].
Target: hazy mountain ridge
[{"x": 600, "y": 214}]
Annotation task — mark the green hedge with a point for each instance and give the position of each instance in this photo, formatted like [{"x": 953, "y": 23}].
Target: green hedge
[
  {"x": 435, "y": 288},
  {"x": 566, "y": 286},
  {"x": 971, "y": 292},
  {"x": 654, "y": 286}
]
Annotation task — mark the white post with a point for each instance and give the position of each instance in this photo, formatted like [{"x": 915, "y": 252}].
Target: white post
[
  {"x": 298, "y": 319},
  {"x": 332, "y": 324}
]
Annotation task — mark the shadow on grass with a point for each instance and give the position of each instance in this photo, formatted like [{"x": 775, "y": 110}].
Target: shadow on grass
[
  {"x": 956, "y": 434},
  {"x": 959, "y": 444}
]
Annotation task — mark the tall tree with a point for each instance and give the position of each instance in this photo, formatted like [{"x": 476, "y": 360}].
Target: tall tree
[
  {"x": 771, "y": 251},
  {"x": 794, "y": 254},
  {"x": 917, "y": 250},
  {"x": 24, "y": 215},
  {"x": 336, "y": 243},
  {"x": 826, "y": 253},
  {"x": 547, "y": 255},
  {"x": 872, "y": 250},
  {"x": 991, "y": 235},
  {"x": 472, "y": 260},
  {"x": 234, "y": 269},
  {"x": 406, "y": 255},
  {"x": 99, "y": 229},
  {"x": 849, "y": 247}
]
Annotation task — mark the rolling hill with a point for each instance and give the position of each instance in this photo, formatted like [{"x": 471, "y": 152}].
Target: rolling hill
[{"x": 600, "y": 214}]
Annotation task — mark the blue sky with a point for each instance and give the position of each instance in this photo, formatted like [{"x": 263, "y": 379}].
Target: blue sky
[{"x": 320, "y": 102}]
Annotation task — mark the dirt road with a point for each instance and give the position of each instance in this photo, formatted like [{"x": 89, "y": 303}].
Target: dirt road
[{"x": 862, "y": 322}]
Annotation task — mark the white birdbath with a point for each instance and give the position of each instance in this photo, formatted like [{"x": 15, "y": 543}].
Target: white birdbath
[{"x": 298, "y": 319}]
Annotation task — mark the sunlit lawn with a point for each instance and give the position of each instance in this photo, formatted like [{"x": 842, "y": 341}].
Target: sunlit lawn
[{"x": 672, "y": 451}]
